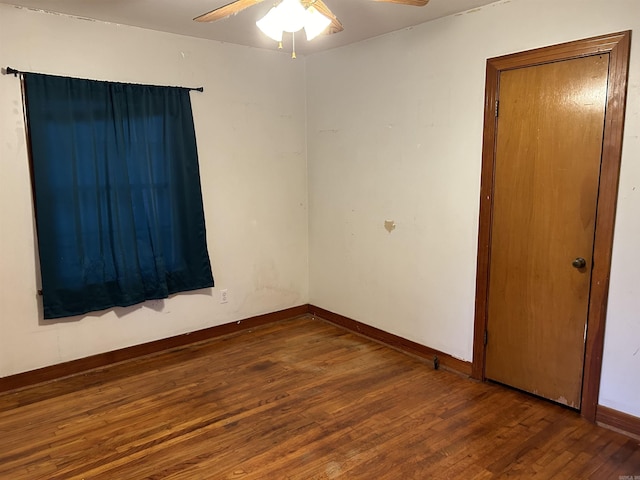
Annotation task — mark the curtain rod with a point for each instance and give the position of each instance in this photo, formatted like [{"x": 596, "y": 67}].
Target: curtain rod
[{"x": 10, "y": 71}]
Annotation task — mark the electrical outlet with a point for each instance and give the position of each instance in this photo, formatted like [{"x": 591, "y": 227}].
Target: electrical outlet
[{"x": 223, "y": 296}]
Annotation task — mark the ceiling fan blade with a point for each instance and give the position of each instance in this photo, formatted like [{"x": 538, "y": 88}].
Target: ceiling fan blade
[
  {"x": 227, "y": 10},
  {"x": 335, "y": 25},
  {"x": 414, "y": 3}
]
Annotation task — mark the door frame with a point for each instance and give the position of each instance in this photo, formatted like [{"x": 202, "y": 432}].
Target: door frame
[{"x": 617, "y": 45}]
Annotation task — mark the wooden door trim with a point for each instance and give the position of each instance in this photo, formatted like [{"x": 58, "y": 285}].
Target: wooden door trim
[{"x": 617, "y": 45}]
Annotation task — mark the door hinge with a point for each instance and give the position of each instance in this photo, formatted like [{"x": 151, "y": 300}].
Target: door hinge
[
  {"x": 497, "y": 107},
  {"x": 485, "y": 337}
]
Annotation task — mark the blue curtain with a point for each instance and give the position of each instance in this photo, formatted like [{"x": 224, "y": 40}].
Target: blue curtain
[{"x": 117, "y": 193}]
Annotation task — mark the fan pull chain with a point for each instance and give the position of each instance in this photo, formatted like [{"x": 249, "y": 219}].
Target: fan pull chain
[{"x": 293, "y": 43}]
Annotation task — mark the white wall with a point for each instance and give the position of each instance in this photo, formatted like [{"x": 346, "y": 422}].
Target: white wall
[
  {"x": 250, "y": 124},
  {"x": 395, "y": 134}
]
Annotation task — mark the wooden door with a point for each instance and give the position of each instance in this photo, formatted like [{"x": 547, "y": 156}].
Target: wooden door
[{"x": 547, "y": 167}]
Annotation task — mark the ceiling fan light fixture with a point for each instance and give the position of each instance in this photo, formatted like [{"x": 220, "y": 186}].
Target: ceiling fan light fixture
[
  {"x": 315, "y": 23},
  {"x": 292, "y": 15},
  {"x": 271, "y": 24}
]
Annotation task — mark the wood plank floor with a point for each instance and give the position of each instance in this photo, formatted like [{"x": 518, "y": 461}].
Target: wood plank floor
[{"x": 299, "y": 399}]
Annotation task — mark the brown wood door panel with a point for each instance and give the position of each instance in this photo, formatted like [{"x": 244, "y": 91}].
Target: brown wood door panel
[{"x": 547, "y": 166}]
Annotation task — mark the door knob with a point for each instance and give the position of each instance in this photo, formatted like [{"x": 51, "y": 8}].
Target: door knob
[{"x": 579, "y": 262}]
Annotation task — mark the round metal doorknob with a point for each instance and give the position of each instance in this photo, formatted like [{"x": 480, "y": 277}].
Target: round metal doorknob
[{"x": 579, "y": 262}]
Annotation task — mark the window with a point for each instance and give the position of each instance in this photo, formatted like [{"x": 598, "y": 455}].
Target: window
[{"x": 117, "y": 192}]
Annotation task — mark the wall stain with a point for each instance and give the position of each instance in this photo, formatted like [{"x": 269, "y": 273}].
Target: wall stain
[{"x": 389, "y": 225}]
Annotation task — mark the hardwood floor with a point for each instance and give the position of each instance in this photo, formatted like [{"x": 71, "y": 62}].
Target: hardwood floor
[{"x": 299, "y": 399}]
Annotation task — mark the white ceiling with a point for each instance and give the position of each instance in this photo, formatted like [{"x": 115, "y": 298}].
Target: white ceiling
[{"x": 362, "y": 19}]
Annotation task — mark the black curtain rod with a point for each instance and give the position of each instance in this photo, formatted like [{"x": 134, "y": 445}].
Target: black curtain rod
[{"x": 10, "y": 71}]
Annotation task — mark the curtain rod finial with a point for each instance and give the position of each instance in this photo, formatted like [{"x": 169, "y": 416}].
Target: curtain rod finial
[{"x": 9, "y": 71}]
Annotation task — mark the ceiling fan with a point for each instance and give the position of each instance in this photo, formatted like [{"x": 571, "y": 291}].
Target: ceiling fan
[{"x": 331, "y": 25}]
